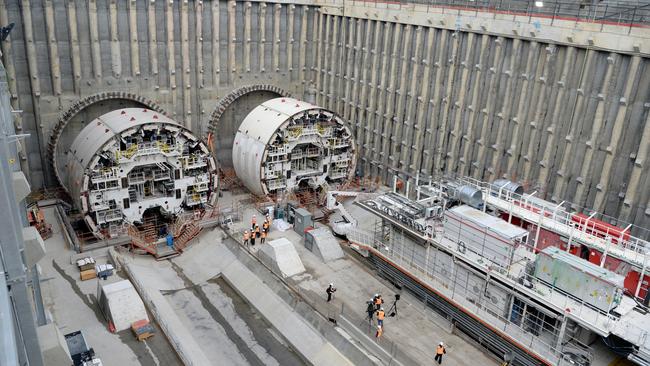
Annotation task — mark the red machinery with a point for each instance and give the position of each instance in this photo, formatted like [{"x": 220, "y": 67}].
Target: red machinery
[{"x": 599, "y": 228}]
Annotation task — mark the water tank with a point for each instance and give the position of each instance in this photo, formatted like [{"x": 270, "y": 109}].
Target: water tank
[
  {"x": 507, "y": 186},
  {"x": 285, "y": 143},
  {"x": 130, "y": 160}
]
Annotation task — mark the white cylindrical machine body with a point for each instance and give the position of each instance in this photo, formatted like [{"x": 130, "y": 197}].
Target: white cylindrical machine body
[
  {"x": 285, "y": 143},
  {"x": 130, "y": 160}
]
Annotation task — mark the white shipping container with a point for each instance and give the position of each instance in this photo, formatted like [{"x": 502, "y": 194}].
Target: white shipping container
[{"x": 490, "y": 237}]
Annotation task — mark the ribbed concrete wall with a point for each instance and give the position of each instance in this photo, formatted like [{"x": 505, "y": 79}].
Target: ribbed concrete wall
[{"x": 571, "y": 121}]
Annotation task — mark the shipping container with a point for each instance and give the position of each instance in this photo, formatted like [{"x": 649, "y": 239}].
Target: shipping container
[
  {"x": 488, "y": 236},
  {"x": 596, "y": 286}
]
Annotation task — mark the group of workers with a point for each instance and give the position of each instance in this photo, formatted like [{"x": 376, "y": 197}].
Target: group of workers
[
  {"x": 376, "y": 308},
  {"x": 256, "y": 232}
]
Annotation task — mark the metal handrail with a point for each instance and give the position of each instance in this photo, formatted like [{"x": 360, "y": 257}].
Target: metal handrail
[{"x": 614, "y": 13}]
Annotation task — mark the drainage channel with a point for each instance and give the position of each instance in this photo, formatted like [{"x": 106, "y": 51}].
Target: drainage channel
[{"x": 219, "y": 315}]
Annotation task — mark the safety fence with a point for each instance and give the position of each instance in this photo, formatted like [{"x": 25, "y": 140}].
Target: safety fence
[{"x": 626, "y": 14}]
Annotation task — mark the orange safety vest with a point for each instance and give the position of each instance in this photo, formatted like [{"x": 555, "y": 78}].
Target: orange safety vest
[
  {"x": 263, "y": 235},
  {"x": 265, "y": 225},
  {"x": 378, "y": 301},
  {"x": 380, "y": 315},
  {"x": 246, "y": 236},
  {"x": 440, "y": 350},
  {"x": 257, "y": 229}
]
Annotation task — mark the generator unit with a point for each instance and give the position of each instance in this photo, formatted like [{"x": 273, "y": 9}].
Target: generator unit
[
  {"x": 596, "y": 286},
  {"x": 483, "y": 234}
]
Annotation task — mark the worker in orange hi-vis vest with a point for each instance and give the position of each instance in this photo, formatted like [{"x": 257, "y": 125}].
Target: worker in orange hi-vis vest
[
  {"x": 440, "y": 350},
  {"x": 256, "y": 231},
  {"x": 380, "y": 317},
  {"x": 379, "y": 332},
  {"x": 262, "y": 237},
  {"x": 246, "y": 237},
  {"x": 266, "y": 225}
]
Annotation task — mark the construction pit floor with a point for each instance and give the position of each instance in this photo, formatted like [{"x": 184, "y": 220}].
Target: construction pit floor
[{"x": 217, "y": 304}]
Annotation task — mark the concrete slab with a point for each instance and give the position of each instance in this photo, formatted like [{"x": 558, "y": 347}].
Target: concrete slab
[
  {"x": 192, "y": 296},
  {"x": 72, "y": 304},
  {"x": 324, "y": 244},
  {"x": 409, "y": 338},
  {"x": 281, "y": 257}
]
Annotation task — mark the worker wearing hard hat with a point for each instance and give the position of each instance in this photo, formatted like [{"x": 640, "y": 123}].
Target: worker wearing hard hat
[
  {"x": 378, "y": 301},
  {"x": 330, "y": 291},
  {"x": 380, "y": 317},
  {"x": 247, "y": 236},
  {"x": 440, "y": 350},
  {"x": 262, "y": 237}
]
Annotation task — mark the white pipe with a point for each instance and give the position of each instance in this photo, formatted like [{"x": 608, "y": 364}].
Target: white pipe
[{"x": 638, "y": 286}]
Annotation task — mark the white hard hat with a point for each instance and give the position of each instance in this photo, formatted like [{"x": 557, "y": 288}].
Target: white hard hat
[
  {"x": 441, "y": 344},
  {"x": 331, "y": 284},
  {"x": 376, "y": 295},
  {"x": 382, "y": 309}
]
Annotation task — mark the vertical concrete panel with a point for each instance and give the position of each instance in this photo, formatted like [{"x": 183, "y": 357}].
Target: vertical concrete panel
[
  {"x": 247, "y": 36},
  {"x": 572, "y": 138},
  {"x": 55, "y": 67},
  {"x": 390, "y": 101},
  {"x": 349, "y": 69},
  {"x": 133, "y": 34},
  {"x": 520, "y": 119},
  {"x": 116, "y": 60},
  {"x": 398, "y": 119},
  {"x": 459, "y": 105},
  {"x": 635, "y": 188},
  {"x": 366, "y": 74},
  {"x": 372, "y": 99},
  {"x": 153, "y": 39},
  {"x": 276, "y": 37},
  {"x": 584, "y": 180},
  {"x": 262, "y": 42},
  {"x": 504, "y": 116},
  {"x": 302, "y": 58},
  {"x": 442, "y": 141},
  {"x": 422, "y": 105},
  {"x": 94, "y": 39},
  {"x": 550, "y": 148},
  {"x": 185, "y": 64},
  {"x": 341, "y": 73},
  {"x": 612, "y": 148},
  {"x": 473, "y": 116},
  {"x": 435, "y": 102},
  {"x": 232, "y": 39},
  {"x": 291, "y": 11}
]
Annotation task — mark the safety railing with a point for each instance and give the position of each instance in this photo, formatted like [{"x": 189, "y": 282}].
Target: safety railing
[
  {"x": 147, "y": 148},
  {"x": 564, "y": 221},
  {"x": 109, "y": 216},
  {"x": 625, "y": 14}
]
